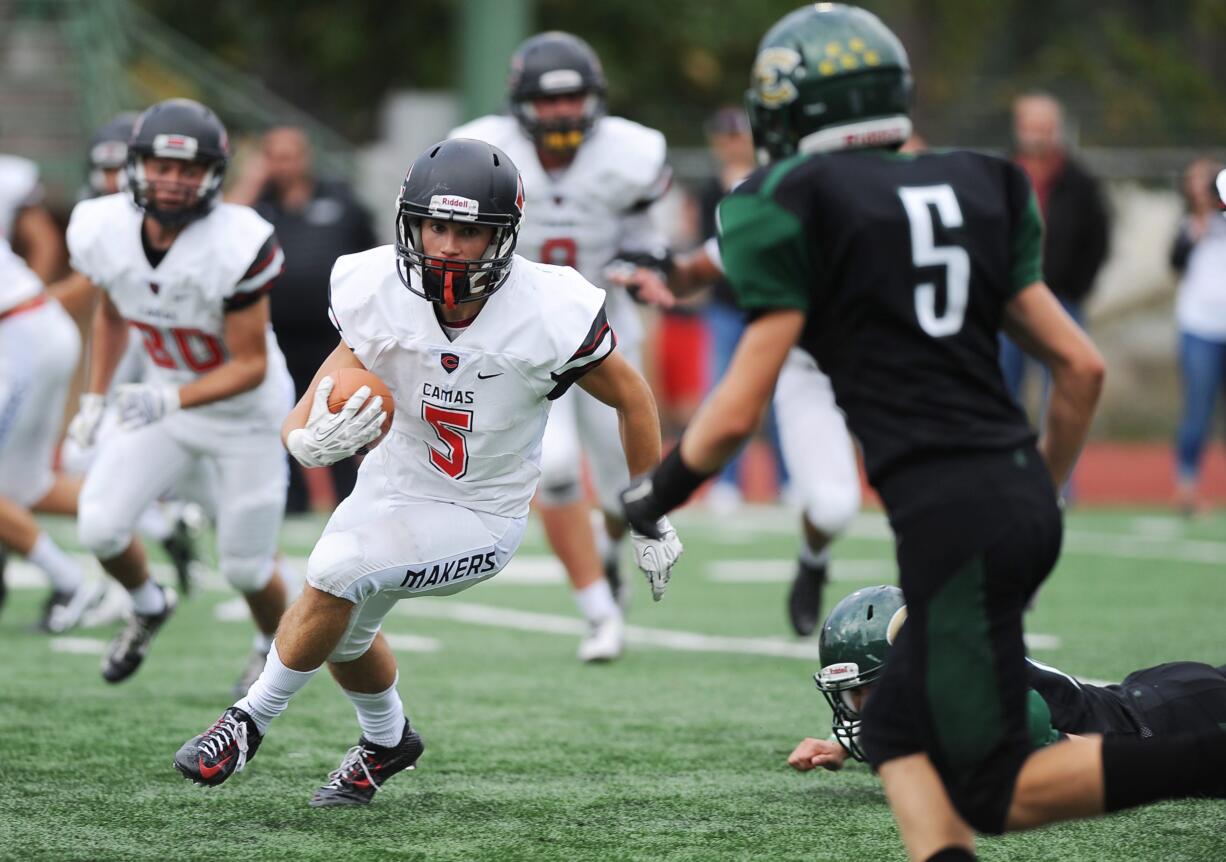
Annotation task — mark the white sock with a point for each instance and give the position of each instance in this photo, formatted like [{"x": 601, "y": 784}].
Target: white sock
[
  {"x": 381, "y": 716},
  {"x": 816, "y": 559},
  {"x": 61, "y": 570},
  {"x": 153, "y": 524},
  {"x": 262, "y": 642},
  {"x": 271, "y": 693},
  {"x": 596, "y": 602},
  {"x": 148, "y": 598}
]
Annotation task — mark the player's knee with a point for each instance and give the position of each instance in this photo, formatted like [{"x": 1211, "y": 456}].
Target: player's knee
[
  {"x": 559, "y": 489},
  {"x": 101, "y": 531},
  {"x": 831, "y": 509},
  {"x": 334, "y": 561},
  {"x": 352, "y": 648},
  {"x": 248, "y": 574}
]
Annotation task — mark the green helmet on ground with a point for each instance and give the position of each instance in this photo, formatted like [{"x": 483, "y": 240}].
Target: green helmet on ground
[
  {"x": 828, "y": 77},
  {"x": 852, "y": 649}
]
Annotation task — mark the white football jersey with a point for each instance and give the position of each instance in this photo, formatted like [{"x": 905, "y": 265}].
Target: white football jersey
[
  {"x": 19, "y": 187},
  {"x": 578, "y": 216},
  {"x": 470, "y": 413},
  {"x": 178, "y": 308}
]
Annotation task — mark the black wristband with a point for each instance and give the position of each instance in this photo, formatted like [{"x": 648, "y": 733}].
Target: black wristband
[{"x": 673, "y": 481}]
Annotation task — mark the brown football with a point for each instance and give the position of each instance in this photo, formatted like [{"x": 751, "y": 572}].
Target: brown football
[{"x": 350, "y": 380}]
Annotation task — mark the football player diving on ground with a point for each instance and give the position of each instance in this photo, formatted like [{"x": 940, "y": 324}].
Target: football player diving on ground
[
  {"x": 1176, "y": 697},
  {"x": 896, "y": 272}
]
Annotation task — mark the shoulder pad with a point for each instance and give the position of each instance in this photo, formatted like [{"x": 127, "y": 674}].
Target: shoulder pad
[
  {"x": 492, "y": 128},
  {"x": 637, "y": 154},
  {"x": 89, "y": 227}
]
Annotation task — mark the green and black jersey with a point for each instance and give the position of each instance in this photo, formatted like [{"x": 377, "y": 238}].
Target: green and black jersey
[{"x": 903, "y": 265}]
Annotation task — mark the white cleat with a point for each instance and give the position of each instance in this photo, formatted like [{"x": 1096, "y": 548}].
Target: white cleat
[{"x": 605, "y": 640}]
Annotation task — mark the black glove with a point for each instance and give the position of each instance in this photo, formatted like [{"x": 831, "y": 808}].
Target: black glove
[
  {"x": 642, "y": 508},
  {"x": 626, "y": 262},
  {"x": 653, "y": 496}
]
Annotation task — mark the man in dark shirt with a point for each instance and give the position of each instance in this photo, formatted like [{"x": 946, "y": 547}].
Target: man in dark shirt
[
  {"x": 1074, "y": 213},
  {"x": 317, "y": 221}
]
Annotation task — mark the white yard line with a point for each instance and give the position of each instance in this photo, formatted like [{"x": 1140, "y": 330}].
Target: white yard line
[
  {"x": 759, "y": 571},
  {"x": 412, "y": 643},
  {"x": 78, "y": 646},
  {"x": 531, "y": 621}
]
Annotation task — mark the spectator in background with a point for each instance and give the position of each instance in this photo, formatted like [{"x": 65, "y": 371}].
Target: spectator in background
[
  {"x": 1074, "y": 214},
  {"x": 731, "y": 144},
  {"x": 1199, "y": 255},
  {"x": 317, "y": 221}
]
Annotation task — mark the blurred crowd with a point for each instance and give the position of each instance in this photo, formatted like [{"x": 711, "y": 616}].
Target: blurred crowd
[{"x": 320, "y": 218}]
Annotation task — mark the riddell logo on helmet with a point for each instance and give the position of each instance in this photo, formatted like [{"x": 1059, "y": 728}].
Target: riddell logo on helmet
[
  {"x": 175, "y": 146},
  {"x": 455, "y": 206},
  {"x": 840, "y": 672},
  {"x": 871, "y": 138}
]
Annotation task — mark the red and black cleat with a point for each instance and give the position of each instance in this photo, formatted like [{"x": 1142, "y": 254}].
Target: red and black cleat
[
  {"x": 222, "y": 750},
  {"x": 366, "y": 768}
]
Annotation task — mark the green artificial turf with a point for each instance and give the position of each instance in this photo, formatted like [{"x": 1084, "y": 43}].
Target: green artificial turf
[{"x": 668, "y": 754}]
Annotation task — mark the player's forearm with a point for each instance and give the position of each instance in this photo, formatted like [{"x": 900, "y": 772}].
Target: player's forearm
[
  {"x": 75, "y": 293},
  {"x": 1070, "y": 411},
  {"x": 43, "y": 243},
  {"x": 640, "y": 430},
  {"x": 721, "y": 426},
  {"x": 109, "y": 339},
  {"x": 692, "y": 272},
  {"x": 238, "y": 375}
]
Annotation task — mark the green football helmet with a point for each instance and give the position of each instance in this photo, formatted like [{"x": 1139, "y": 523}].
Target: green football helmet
[
  {"x": 852, "y": 648},
  {"x": 828, "y": 77}
]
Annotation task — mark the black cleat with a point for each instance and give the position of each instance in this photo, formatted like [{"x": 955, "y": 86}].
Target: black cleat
[
  {"x": 180, "y": 546},
  {"x": 63, "y": 610},
  {"x": 366, "y": 768},
  {"x": 4, "y": 589},
  {"x": 127, "y": 650},
  {"x": 805, "y": 598},
  {"x": 222, "y": 750}
]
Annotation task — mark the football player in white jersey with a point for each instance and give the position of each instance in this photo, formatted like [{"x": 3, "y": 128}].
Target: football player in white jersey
[
  {"x": 475, "y": 344},
  {"x": 817, "y": 447},
  {"x": 39, "y": 347},
  {"x": 166, "y": 523},
  {"x": 190, "y": 275},
  {"x": 589, "y": 180}
]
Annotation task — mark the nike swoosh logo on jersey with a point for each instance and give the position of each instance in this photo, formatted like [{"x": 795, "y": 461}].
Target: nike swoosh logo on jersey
[{"x": 481, "y": 376}]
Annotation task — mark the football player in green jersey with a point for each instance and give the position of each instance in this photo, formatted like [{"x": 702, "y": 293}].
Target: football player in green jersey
[
  {"x": 897, "y": 272},
  {"x": 1175, "y": 697}
]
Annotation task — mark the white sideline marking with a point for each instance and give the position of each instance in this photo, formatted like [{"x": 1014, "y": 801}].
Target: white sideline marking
[
  {"x": 533, "y": 569},
  {"x": 412, "y": 643},
  {"x": 529, "y": 621},
  {"x": 232, "y": 611},
  {"x": 1040, "y": 641},
  {"x": 78, "y": 646},
  {"x": 782, "y": 571}
]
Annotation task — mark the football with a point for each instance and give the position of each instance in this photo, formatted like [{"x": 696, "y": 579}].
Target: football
[{"x": 350, "y": 380}]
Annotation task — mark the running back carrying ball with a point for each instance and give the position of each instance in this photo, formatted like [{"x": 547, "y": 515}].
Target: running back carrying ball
[{"x": 347, "y": 381}]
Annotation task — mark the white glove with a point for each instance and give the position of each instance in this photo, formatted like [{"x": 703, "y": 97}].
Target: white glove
[
  {"x": 329, "y": 437},
  {"x": 84, "y": 426},
  {"x": 141, "y": 404},
  {"x": 656, "y": 557}
]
